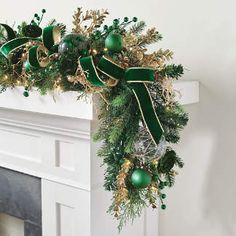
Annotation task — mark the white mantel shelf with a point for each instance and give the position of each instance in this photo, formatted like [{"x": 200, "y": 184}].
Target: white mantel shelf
[
  {"x": 50, "y": 137},
  {"x": 66, "y": 104}
]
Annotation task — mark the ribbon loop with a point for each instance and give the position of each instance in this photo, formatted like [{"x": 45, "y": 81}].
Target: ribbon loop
[
  {"x": 35, "y": 59},
  {"x": 51, "y": 36},
  {"x": 10, "y": 32},
  {"x": 38, "y": 54},
  {"x": 137, "y": 77}
]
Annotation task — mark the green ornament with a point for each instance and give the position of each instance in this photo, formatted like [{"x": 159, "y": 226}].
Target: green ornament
[
  {"x": 115, "y": 21},
  {"x": 114, "y": 42},
  {"x": 163, "y": 196},
  {"x": 167, "y": 162},
  {"x": 73, "y": 44},
  {"x": 140, "y": 178},
  {"x": 163, "y": 206},
  {"x": 32, "y": 31},
  {"x": 155, "y": 178},
  {"x": 135, "y": 19},
  {"x": 126, "y": 19},
  {"x": 26, "y": 93},
  {"x": 161, "y": 185}
]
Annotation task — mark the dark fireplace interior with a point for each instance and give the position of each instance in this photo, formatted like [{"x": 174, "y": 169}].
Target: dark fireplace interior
[{"x": 20, "y": 197}]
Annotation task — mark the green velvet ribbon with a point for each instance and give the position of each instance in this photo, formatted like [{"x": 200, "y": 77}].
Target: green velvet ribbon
[
  {"x": 10, "y": 32},
  {"x": 51, "y": 36},
  {"x": 137, "y": 77}
]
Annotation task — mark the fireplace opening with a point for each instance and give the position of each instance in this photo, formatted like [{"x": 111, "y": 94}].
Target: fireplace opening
[{"x": 20, "y": 204}]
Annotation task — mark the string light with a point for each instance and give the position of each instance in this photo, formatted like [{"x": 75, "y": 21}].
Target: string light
[
  {"x": 94, "y": 51},
  {"x": 153, "y": 189}
]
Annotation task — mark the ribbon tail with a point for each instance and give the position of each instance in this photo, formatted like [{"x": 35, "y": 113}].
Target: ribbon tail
[{"x": 147, "y": 110}]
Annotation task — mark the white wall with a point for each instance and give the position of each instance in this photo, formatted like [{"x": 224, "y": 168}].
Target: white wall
[{"x": 203, "y": 35}]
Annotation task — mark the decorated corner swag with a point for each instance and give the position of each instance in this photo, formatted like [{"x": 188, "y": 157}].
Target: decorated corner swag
[{"x": 139, "y": 117}]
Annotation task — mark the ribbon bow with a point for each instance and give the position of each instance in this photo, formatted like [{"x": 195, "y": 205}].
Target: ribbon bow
[
  {"x": 39, "y": 54},
  {"x": 137, "y": 77}
]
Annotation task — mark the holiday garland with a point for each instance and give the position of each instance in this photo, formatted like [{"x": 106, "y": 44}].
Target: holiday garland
[{"x": 139, "y": 117}]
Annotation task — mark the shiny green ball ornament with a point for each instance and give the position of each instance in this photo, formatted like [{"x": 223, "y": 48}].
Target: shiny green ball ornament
[
  {"x": 163, "y": 196},
  {"x": 135, "y": 19},
  {"x": 26, "y": 93},
  {"x": 140, "y": 178},
  {"x": 163, "y": 207},
  {"x": 114, "y": 42},
  {"x": 73, "y": 44},
  {"x": 126, "y": 19},
  {"x": 115, "y": 21}
]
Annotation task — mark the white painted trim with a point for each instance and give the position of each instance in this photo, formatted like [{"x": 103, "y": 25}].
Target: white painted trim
[{"x": 45, "y": 128}]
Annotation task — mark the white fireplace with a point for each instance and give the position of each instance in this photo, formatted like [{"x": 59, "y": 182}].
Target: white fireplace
[{"x": 50, "y": 138}]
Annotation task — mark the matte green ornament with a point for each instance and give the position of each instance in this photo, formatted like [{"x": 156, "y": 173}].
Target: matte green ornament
[
  {"x": 140, "y": 178},
  {"x": 114, "y": 42}
]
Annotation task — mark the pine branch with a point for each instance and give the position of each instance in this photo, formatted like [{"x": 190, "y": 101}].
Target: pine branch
[
  {"x": 172, "y": 71},
  {"x": 152, "y": 36},
  {"x": 137, "y": 28}
]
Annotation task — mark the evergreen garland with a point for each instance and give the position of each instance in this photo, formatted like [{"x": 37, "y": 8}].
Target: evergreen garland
[{"x": 128, "y": 150}]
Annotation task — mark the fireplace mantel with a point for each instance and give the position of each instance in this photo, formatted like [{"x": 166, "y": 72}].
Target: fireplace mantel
[
  {"x": 49, "y": 137},
  {"x": 67, "y": 104}
]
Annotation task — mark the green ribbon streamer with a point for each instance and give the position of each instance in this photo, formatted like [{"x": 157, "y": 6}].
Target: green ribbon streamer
[
  {"x": 51, "y": 36},
  {"x": 137, "y": 77},
  {"x": 14, "y": 44}
]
